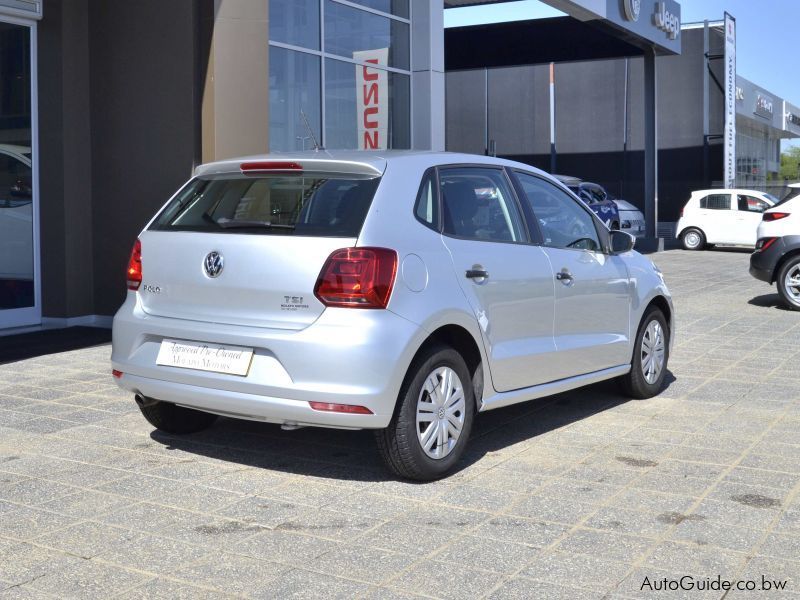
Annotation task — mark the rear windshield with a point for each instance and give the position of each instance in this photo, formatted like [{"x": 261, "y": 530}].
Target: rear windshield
[{"x": 307, "y": 205}]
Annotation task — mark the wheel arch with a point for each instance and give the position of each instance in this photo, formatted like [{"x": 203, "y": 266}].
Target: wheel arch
[
  {"x": 795, "y": 252},
  {"x": 464, "y": 342}
]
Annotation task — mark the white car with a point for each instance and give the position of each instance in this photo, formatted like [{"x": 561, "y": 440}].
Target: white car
[
  {"x": 727, "y": 217},
  {"x": 631, "y": 219},
  {"x": 16, "y": 213}
]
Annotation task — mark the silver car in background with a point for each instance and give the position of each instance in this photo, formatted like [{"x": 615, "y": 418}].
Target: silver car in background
[{"x": 397, "y": 291}]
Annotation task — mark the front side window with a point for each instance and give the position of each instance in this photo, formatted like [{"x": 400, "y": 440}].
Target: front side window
[
  {"x": 310, "y": 205},
  {"x": 564, "y": 223},
  {"x": 752, "y": 204},
  {"x": 716, "y": 202},
  {"x": 478, "y": 204}
]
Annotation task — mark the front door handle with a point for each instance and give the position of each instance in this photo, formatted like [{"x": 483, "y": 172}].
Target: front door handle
[{"x": 477, "y": 274}]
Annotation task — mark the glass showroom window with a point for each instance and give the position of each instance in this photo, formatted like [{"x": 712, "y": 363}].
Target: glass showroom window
[
  {"x": 351, "y": 57},
  {"x": 349, "y": 121},
  {"x": 294, "y": 90},
  {"x": 294, "y": 22}
]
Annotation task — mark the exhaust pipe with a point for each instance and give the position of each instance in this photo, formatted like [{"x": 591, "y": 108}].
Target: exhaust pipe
[{"x": 144, "y": 401}]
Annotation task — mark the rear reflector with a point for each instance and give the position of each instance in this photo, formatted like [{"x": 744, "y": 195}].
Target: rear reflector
[
  {"x": 341, "y": 408},
  {"x": 764, "y": 243},
  {"x": 135, "y": 267},
  {"x": 775, "y": 216},
  {"x": 269, "y": 166},
  {"x": 357, "y": 278},
  {"x": 116, "y": 374}
]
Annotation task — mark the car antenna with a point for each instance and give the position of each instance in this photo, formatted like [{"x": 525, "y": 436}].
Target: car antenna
[{"x": 317, "y": 146}]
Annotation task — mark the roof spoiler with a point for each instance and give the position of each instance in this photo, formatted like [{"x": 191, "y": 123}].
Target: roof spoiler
[{"x": 261, "y": 166}]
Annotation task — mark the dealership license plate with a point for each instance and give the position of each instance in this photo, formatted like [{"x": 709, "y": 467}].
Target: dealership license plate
[{"x": 231, "y": 360}]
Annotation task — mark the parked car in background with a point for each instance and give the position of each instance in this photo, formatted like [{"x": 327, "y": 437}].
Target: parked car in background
[
  {"x": 397, "y": 291},
  {"x": 631, "y": 219},
  {"x": 727, "y": 217},
  {"x": 16, "y": 213},
  {"x": 595, "y": 197},
  {"x": 777, "y": 255}
]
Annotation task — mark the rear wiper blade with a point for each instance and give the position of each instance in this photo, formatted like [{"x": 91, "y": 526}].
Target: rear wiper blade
[{"x": 226, "y": 223}]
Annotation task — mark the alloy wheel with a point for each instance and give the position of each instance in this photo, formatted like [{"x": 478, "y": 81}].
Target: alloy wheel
[
  {"x": 652, "y": 351},
  {"x": 440, "y": 412},
  {"x": 791, "y": 284}
]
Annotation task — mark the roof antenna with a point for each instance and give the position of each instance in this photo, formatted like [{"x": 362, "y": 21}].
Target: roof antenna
[{"x": 317, "y": 146}]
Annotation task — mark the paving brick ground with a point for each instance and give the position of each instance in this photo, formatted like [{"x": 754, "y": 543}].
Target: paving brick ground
[{"x": 582, "y": 495}]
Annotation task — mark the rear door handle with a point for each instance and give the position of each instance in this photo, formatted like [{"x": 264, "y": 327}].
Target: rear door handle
[
  {"x": 477, "y": 274},
  {"x": 564, "y": 277}
]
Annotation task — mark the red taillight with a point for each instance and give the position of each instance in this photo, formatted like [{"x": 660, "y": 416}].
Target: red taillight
[
  {"x": 764, "y": 243},
  {"x": 775, "y": 216},
  {"x": 135, "y": 267},
  {"x": 268, "y": 166},
  {"x": 357, "y": 278},
  {"x": 341, "y": 408},
  {"x": 681, "y": 215},
  {"x": 116, "y": 374}
]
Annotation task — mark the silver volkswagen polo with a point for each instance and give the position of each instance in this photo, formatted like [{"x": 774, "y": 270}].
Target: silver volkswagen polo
[{"x": 403, "y": 292}]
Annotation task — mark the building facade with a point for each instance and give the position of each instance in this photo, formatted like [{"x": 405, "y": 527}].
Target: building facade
[{"x": 106, "y": 106}]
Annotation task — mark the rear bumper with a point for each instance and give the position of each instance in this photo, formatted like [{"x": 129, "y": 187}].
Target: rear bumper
[
  {"x": 763, "y": 263},
  {"x": 348, "y": 356}
]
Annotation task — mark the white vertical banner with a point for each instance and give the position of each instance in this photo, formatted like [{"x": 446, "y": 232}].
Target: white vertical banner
[
  {"x": 730, "y": 102},
  {"x": 372, "y": 99}
]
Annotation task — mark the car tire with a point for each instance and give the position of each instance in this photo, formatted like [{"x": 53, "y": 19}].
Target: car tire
[
  {"x": 693, "y": 239},
  {"x": 790, "y": 295},
  {"x": 646, "y": 379},
  {"x": 422, "y": 441},
  {"x": 172, "y": 418}
]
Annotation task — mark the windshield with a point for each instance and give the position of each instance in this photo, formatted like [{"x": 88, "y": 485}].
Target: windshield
[{"x": 310, "y": 205}]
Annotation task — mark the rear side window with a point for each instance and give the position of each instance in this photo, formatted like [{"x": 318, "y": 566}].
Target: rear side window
[
  {"x": 427, "y": 206},
  {"x": 716, "y": 202},
  {"x": 478, "y": 204},
  {"x": 301, "y": 205}
]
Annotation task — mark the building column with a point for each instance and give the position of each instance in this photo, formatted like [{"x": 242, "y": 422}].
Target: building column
[
  {"x": 235, "y": 104},
  {"x": 427, "y": 66},
  {"x": 650, "y": 145}
]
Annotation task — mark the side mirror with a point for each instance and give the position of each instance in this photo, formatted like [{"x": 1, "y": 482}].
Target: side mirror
[{"x": 621, "y": 241}]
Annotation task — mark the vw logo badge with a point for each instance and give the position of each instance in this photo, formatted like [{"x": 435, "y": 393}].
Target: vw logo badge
[
  {"x": 632, "y": 9},
  {"x": 213, "y": 264}
]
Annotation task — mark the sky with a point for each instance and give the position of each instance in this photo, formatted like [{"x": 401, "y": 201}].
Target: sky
[{"x": 766, "y": 34}]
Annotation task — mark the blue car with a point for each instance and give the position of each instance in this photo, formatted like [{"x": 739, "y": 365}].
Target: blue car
[{"x": 595, "y": 197}]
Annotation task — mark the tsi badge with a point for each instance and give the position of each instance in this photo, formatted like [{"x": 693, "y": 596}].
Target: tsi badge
[
  {"x": 293, "y": 303},
  {"x": 667, "y": 21},
  {"x": 632, "y": 9},
  {"x": 213, "y": 264}
]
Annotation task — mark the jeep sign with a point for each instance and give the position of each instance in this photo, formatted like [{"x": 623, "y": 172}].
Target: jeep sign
[{"x": 666, "y": 21}]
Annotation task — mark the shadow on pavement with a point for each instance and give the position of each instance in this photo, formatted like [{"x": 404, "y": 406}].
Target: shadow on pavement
[
  {"x": 52, "y": 341},
  {"x": 768, "y": 301},
  {"x": 353, "y": 455}
]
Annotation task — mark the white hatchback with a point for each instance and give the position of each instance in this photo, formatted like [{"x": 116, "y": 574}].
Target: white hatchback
[{"x": 727, "y": 217}]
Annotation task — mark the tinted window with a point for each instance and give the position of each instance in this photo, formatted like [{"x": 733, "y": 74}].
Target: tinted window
[
  {"x": 752, "y": 204},
  {"x": 280, "y": 205},
  {"x": 478, "y": 204},
  {"x": 294, "y": 22},
  {"x": 427, "y": 206},
  {"x": 15, "y": 182},
  {"x": 716, "y": 202},
  {"x": 564, "y": 223}
]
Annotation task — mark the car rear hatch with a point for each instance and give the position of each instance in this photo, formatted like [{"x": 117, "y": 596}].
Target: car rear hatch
[{"x": 246, "y": 247}]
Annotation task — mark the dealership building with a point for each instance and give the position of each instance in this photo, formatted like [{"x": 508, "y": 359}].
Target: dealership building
[
  {"x": 499, "y": 100},
  {"x": 106, "y": 106}
]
